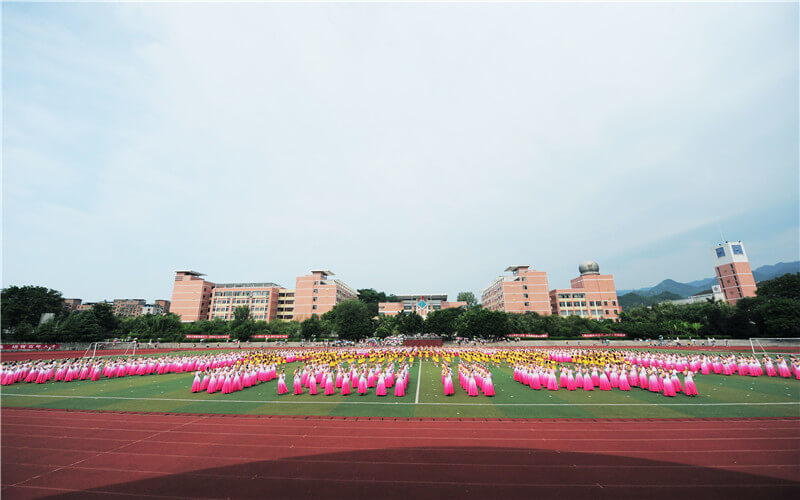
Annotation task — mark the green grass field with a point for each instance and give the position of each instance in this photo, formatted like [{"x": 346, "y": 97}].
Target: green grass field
[{"x": 720, "y": 396}]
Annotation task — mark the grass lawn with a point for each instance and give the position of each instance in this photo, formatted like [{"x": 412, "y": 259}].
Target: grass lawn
[{"x": 720, "y": 396}]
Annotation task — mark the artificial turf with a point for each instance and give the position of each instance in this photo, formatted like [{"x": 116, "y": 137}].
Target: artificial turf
[{"x": 720, "y": 396}]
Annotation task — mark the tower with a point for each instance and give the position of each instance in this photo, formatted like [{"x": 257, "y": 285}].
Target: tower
[{"x": 733, "y": 271}]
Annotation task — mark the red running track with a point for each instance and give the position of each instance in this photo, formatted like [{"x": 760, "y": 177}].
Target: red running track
[{"x": 80, "y": 454}]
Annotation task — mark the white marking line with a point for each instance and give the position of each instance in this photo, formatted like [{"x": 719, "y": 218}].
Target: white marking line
[
  {"x": 419, "y": 379},
  {"x": 226, "y": 401}
]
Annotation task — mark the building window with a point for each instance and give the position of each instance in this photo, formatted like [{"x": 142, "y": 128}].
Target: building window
[
  {"x": 314, "y": 306},
  {"x": 605, "y": 303},
  {"x": 606, "y": 311},
  {"x": 527, "y": 304},
  {"x": 315, "y": 290},
  {"x": 524, "y": 287},
  {"x": 525, "y": 295},
  {"x": 613, "y": 302},
  {"x": 315, "y": 299}
]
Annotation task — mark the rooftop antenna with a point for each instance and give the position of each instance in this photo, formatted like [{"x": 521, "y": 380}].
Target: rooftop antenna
[{"x": 720, "y": 232}]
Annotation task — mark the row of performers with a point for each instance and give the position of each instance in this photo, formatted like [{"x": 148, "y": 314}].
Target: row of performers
[
  {"x": 655, "y": 380},
  {"x": 356, "y": 377},
  {"x": 95, "y": 369},
  {"x": 471, "y": 377}
]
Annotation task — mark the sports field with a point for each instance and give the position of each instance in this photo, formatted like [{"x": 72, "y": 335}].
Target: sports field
[
  {"x": 151, "y": 437},
  {"x": 719, "y": 396}
]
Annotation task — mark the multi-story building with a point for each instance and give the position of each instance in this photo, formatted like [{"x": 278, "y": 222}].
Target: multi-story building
[
  {"x": 129, "y": 308},
  {"x": 261, "y": 298},
  {"x": 715, "y": 295},
  {"x": 525, "y": 290},
  {"x": 72, "y": 304},
  {"x": 153, "y": 309},
  {"x": 316, "y": 294},
  {"x": 420, "y": 303},
  {"x": 194, "y": 298},
  {"x": 191, "y": 296},
  {"x": 733, "y": 271},
  {"x": 286, "y": 304},
  {"x": 592, "y": 295},
  {"x": 164, "y": 305}
]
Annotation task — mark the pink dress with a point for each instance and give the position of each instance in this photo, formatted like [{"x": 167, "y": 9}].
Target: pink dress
[
  {"x": 298, "y": 385},
  {"x": 282, "y": 389},
  {"x": 488, "y": 386},
  {"x": 381, "y": 387}
]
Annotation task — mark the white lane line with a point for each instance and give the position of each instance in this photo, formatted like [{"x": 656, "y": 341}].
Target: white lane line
[
  {"x": 225, "y": 401},
  {"x": 419, "y": 379}
]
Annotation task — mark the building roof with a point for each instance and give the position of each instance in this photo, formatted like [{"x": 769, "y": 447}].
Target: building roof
[
  {"x": 248, "y": 285},
  {"x": 514, "y": 268},
  {"x": 191, "y": 273},
  {"x": 327, "y": 273},
  {"x": 428, "y": 296}
]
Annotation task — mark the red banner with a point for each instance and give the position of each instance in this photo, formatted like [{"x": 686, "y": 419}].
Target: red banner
[
  {"x": 27, "y": 347},
  {"x": 530, "y": 335},
  {"x": 275, "y": 336},
  {"x": 592, "y": 335},
  {"x": 208, "y": 336}
]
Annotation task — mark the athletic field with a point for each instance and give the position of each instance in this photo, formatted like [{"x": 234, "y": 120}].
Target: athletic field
[
  {"x": 719, "y": 396},
  {"x": 150, "y": 437}
]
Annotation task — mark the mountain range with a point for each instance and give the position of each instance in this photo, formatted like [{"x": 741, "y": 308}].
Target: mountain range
[{"x": 684, "y": 290}]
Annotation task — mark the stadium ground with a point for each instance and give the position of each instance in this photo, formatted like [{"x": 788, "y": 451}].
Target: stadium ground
[
  {"x": 720, "y": 396},
  {"x": 78, "y": 454}
]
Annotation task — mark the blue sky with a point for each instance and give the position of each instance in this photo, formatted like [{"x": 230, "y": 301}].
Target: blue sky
[{"x": 408, "y": 148}]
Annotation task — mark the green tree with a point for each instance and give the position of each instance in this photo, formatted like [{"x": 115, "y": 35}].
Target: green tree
[
  {"x": 780, "y": 317},
  {"x": 371, "y": 298},
  {"x": 786, "y": 286},
  {"x": 241, "y": 314},
  {"x": 408, "y": 323},
  {"x": 312, "y": 328},
  {"x": 351, "y": 320},
  {"x": 467, "y": 297},
  {"x": 444, "y": 321},
  {"x": 26, "y": 304},
  {"x": 480, "y": 322}
]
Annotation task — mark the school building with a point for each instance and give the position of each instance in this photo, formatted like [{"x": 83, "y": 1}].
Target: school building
[
  {"x": 524, "y": 290},
  {"x": 591, "y": 295},
  {"x": 194, "y": 298},
  {"x": 420, "y": 303},
  {"x": 732, "y": 268}
]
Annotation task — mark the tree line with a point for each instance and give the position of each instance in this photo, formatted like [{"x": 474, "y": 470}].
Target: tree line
[{"x": 774, "y": 312}]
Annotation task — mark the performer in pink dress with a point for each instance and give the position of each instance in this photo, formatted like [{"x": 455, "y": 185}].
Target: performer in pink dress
[
  {"x": 282, "y": 388},
  {"x": 298, "y": 384},
  {"x": 380, "y": 389}
]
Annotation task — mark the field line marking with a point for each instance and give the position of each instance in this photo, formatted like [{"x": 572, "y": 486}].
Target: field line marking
[
  {"x": 181, "y": 400},
  {"x": 419, "y": 379}
]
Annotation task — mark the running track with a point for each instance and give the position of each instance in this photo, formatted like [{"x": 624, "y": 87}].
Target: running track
[{"x": 79, "y": 454}]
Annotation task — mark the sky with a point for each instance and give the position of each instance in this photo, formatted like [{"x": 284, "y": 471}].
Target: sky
[{"x": 410, "y": 148}]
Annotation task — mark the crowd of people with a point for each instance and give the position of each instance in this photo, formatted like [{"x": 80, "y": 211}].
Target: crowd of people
[{"x": 385, "y": 371}]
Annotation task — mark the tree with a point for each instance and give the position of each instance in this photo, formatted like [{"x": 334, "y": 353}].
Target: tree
[
  {"x": 103, "y": 313},
  {"x": 371, "y": 298},
  {"x": 351, "y": 320},
  {"x": 786, "y": 286},
  {"x": 26, "y": 304},
  {"x": 443, "y": 322},
  {"x": 241, "y": 314},
  {"x": 408, "y": 323},
  {"x": 311, "y": 328},
  {"x": 478, "y": 322},
  {"x": 467, "y": 297}
]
